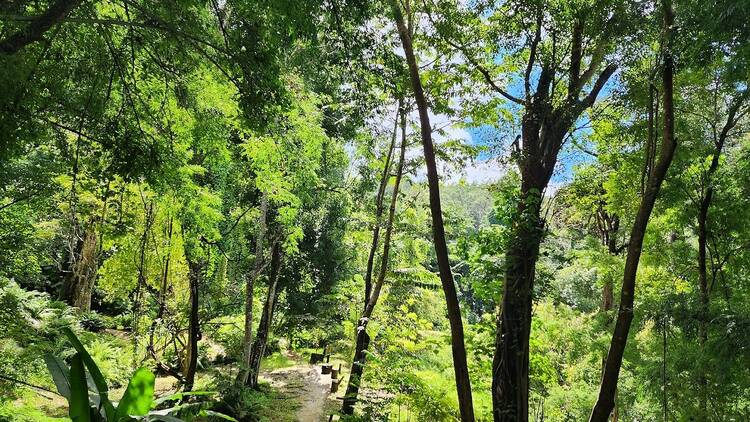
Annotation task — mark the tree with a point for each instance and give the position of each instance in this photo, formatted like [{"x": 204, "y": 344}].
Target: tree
[
  {"x": 264, "y": 326},
  {"x": 564, "y": 47},
  {"x": 37, "y": 26},
  {"x": 463, "y": 384},
  {"x": 606, "y": 399},
  {"x": 362, "y": 338}
]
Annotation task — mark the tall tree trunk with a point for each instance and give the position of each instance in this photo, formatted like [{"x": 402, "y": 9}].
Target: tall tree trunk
[
  {"x": 461, "y": 369},
  {"x": 264, "y": 327},
  {"x": 165, "y": 275},
  {"x": 363, "y": 339},
  {"x": 161, "y": 310},
  {"x": 664, "y": 392},
  {"x": 379, "y": 208},
  {"x": 142, "y": 277},
  {"x": 612, "y": 227},
  {"x": 247, "y": 341},
  {"x": 608, "y": 388},
  {"x": 195, "y": 272},
  {"x": 544, "y": 128},
  {"x": 510, "y": 366}
]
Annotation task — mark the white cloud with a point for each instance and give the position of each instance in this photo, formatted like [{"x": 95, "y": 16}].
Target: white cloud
[{"x": 486, "y": 171}]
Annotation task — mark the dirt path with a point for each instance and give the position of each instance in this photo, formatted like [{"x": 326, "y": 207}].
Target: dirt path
[{"x": 305, "y": 383}]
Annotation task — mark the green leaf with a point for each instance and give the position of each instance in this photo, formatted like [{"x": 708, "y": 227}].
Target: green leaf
[
  {"x": 217, "y": 415},
  {"x": 165, "y": 418},
  {"x": 60, "y": 374},
  {"x": 138, "y": 397},
  {"x": 96, "y": 374},
  {"x": 79, "y": 394},
  {"x": 181, "y": 395}
]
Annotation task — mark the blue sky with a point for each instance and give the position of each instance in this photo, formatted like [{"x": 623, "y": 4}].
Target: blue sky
[{"x": 498, "y": 143}]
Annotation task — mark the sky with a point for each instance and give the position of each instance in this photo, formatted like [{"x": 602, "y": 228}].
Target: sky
[{"x": 491, "y": 165}]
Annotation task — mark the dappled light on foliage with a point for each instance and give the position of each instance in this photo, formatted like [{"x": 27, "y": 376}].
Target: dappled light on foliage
[{"x": 391, "y": 210}]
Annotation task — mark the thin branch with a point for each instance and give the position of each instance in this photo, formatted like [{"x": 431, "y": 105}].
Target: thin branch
[
  {"x": 481, "y": 69},
  {"x": 20, "y": 199},
  {"x": 532, "y": 55}
]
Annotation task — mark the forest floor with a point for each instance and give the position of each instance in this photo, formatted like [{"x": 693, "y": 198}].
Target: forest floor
[
  {"x": 303, "y": 392},
  {"x": 304, "y": 383}
]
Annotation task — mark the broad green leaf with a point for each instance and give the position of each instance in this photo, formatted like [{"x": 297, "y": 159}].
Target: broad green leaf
[
  {"x": 78, "y": 404},
  {"x": 138, "y": 397},
  {"x": 60, "y": 374},
  {"x": 165, "y": 418},
  {"x": 217, "y": 415},
  {"x": 181, "y": 395},
  {"x": 96, "y": 374}
]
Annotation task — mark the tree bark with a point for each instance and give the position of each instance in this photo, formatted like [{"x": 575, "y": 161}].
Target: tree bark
[
  {"x": 78, "y": 284},
  {"x": 379, "y": 209},
  {"x": 510, "y": 366},
  {"x": 607, "y": 390},
  {"x": 544, "y": 128},
  {"x": 461, "y": 370},
  {"x": 165, "y": 274},
  {"x": 264, "y": 327},
  {"x": 142, "y": 277},
  {"x": 363, "y": 339},
  {"x": 613, "y": 227},
  {"x": 704, "y": 300},
  {"x": 161, "y": 310},
  {"x": 247, "y": 341},
  {"x": 195, "y": 272},
  {"x": 36, "y": 29}
]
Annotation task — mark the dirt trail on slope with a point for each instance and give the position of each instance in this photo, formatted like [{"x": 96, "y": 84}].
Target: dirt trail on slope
[{"x": 305, "y": 383}]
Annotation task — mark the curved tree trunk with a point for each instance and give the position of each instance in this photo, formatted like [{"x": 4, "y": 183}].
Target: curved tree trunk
[
  {"x": 363, "y": 339},
  {"x": 461, "y": 369},
  {"x": 608, "y": 388},
  {"x": 264, "y": 327}
]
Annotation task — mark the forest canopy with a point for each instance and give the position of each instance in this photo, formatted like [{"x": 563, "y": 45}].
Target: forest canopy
[{"x": 392, "y": 210}]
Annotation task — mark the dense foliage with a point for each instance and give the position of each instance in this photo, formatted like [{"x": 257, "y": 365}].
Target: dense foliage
[{"x": 197, "y": 197}]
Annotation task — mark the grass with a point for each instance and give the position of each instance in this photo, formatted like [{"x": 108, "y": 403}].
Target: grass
[
  {"x": 275, "y": 361},
  {"x": 32, "y": 407}
]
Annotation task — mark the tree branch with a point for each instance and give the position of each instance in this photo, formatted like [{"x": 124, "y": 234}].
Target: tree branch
[
  {"x": 532, "y": 56},
  {"x": 485, "y": 73},
  {"x": 598, "y": 85},
  {"x": 38, "y": 26}
]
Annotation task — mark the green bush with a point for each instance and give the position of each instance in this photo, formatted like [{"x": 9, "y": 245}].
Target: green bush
[
  {"x": 84, "y": 387},
  {"x": 262, "y": 405},
  {"x": 229, "y": 333},
  {"x": 29, "y": 322},
  {"x": 92, "y": 321}
]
